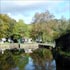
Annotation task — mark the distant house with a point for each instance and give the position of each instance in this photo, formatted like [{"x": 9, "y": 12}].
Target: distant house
[{"x": 63, "y": 42}]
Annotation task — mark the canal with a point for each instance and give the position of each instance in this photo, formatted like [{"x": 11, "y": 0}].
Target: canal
[{"x": 40, "y": 59}]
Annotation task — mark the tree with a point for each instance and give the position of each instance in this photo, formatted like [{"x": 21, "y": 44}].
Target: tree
[
  {"x": 20, "y": 28},
  {"x": 40, "y": 25},
  {"x": 47, "y": 27},
  {"x": 6, "y": 25}
]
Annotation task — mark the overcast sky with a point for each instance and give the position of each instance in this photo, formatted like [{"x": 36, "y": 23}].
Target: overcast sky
[{"x": 26, "y": 9}]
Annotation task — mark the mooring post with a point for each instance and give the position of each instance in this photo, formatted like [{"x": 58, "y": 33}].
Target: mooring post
[
  {"x": 2, "y": 51},
  {"x": 18, "y": 47}
]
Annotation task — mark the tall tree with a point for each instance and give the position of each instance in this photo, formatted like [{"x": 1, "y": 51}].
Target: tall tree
[
  {"x": 47, "y": 27},
  {"x": 20, "y": 28},
  {"x": 6, "y": 25}
]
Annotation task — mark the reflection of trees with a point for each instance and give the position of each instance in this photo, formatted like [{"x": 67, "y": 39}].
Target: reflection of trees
[
  {"x": 6, "y": 61},
  {"x": 21, "y": 61},
  {"x": 9, "y": 61},
  {"x": 42, "y": 59}
]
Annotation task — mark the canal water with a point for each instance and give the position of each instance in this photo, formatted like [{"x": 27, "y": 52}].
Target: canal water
[{"x": 38, "y": 60}]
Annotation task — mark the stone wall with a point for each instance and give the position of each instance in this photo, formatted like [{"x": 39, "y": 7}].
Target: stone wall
[{"x": 16, "y": 45}]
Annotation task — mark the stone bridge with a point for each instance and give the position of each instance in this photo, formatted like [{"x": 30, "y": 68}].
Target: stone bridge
[{"x": 25, "y": 46}]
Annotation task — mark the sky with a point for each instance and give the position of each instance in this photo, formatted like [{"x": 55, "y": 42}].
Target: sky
[{"x": 26, "y": 9}]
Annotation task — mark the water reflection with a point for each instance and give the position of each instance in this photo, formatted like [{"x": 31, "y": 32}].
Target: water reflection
[
  {"x": 43, "y": 60},
  {"x": 47, "y": 65},
  {"x": 6, "y": 61},
  {"x": 38, "y": 60},
  {"x": 16, "y": 68},
  {"x": 30, "y": 65}
]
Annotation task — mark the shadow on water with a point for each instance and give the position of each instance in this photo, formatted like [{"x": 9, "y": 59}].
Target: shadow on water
[{"x": 40, "y": 59}]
